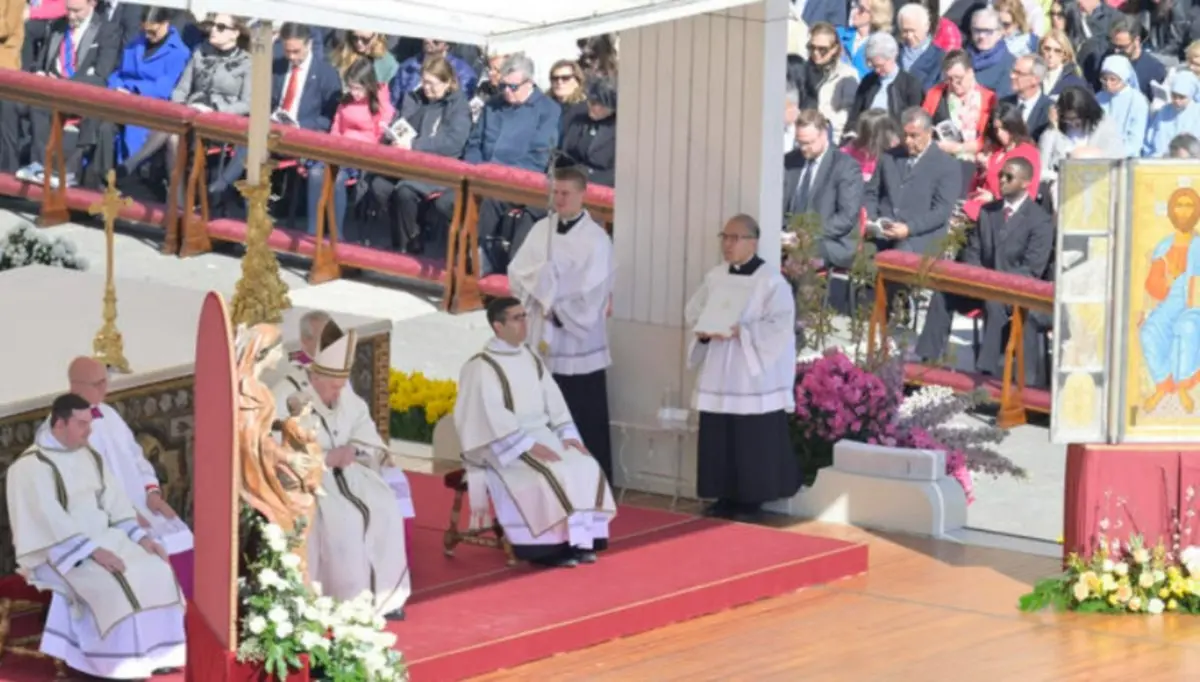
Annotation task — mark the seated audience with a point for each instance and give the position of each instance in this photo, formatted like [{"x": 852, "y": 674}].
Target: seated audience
[
  {"x": 965, "y": 103},
  {"x": 876, "y": 133},
  {"x": 305, "y": 90},
  {"x": 1015, "y": 26},
  {"x": 829, "y": 81},
  {"x": 567, "y": 84},
  {"x": 1014, "y": 236},
  {"x": 1182, "y": 115},
  {"x": 150, "y": 66},
  {"x": 1123, "y": 103},
  {"x": 517, "y": 129},
  {"x": 1078, "y": 130},
  {"x": 1061, "y": 71},
  {"x": 439, "y": 113},
  {"x": 364, "y": 114},
  {"x": 886, "y": 86},
  {"x": 1006, "y": 138},
  {"x": 408, "y": 76},
  {"x": 83, "y": 47},
  {"x": 1027, "y": 76},
  {"x": 589, "y": 137},
  {"x": 1184, "y": 146},
  {"x": 989, "y": 54},
  {"x": 525, "y": 457},
  {"x": 373, "y": 46},
  {"x": 867, "y": 17},
  {"x": 915, "y": 187},
  {"x": 819, "y": 178},
  {"x": 1125, "y": 38},
  {"x": 918, "y": 55}
]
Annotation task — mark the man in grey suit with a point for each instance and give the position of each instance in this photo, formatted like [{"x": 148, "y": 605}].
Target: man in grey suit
[
  {"x": 915, "y": 187},
  {"x": 820, "y": 179},
  {"x": 1014, "y": 236}
]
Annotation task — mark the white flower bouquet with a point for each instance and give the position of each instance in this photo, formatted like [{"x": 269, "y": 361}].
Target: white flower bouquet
[
  {"x": 27, "y": 245},
  {"x": 283, "y": 619}
]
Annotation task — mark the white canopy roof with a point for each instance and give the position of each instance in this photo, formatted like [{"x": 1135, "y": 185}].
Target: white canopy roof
[{"x": 498, "y": 24}]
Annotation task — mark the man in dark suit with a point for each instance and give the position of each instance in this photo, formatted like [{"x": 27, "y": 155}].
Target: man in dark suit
[
  {"x": 819, "y": 178},
  {"x": 1027, "y": 75},
  {"x": 305, "y": 90},
  {"x": 915, "y": 187},
  {"x": 84, "y": 47},
  {"x": 900, "y": 89},
  {"x": 1015, "y": 236},
  {"x": 126, "y": 16}
]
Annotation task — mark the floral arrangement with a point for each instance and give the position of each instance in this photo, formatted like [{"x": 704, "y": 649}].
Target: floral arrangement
[
  {"x": 417, "y": 403},
  {"x": 27, "y": 245},
  {"x": 837, "y": 399},
  {"x": 283, "y": 620},
  {"x": 1129, "y": 578}
]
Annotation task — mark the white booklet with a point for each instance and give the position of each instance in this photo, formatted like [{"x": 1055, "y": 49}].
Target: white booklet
[
  {"x": 727, "y": 299},
  {"x": 172, "y": 534},
  {"x": 947, "y": 131},
  {"x": 281, "y": 116},
  {"x": 875, "y": 228},
  {"x": 399, "y": 130}
]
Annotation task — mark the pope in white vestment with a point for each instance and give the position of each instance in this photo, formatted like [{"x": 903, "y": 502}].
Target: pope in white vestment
[
  {"x": 117, "y": 610},
  {"x": 357, "y": 542},
  {"x": 563, "y": 275},
  {"x": 523, "y": 452},
  {"x": 745, "y": 386}
]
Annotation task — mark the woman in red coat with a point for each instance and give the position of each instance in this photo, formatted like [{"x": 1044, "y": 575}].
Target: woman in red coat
[{"x": 1006, "y": 137}]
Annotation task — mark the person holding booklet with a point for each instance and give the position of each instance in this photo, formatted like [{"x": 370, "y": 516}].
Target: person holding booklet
[{"x": 744, "y": 343}]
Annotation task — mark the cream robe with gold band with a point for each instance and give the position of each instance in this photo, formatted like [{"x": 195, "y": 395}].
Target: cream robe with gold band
[
  {"x": 506, "y": 403},
  {"x": 357, "y": 542},
  {"x": 63, "y": 505}
]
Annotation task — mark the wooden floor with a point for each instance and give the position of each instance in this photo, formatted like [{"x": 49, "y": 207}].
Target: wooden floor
[{"x": 926, "y": 611}]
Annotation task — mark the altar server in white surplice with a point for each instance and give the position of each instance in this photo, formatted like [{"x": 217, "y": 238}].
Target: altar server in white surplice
[
  {"x": 117, "y": 611},
  {"x": 744, "y": 389},
  {"x": 522, "y": 449},
  {"x": 357, "y": 542},
  {"x": 563, "y": 275}
]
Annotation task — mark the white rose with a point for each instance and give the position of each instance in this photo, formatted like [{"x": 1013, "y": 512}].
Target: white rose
[
  {"x": 1146, "y": 579},
  {"x": 283, "y": 629},
  {"x": 1107, "y": 566},
  {"x": 277, "y": 615},
  {"x": 257, "y": 624},
  {"x": 1155, "y": 606},
  {"x": 1190, "y": 555},
  {"x": 269, "y": 578},
  {"x": 290, "y": 560},
  {"x": 1121, "y": 569}
]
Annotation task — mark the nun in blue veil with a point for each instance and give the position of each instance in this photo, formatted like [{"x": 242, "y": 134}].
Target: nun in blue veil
[
  {"x": 1123, "y": 103},
  {"x": 1181, "y": 115}
]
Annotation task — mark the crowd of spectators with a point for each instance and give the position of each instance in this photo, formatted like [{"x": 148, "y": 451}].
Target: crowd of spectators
[{"x": 454, "y": 101}]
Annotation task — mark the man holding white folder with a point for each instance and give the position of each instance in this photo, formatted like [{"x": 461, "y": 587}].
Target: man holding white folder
[{"x": 743, "y": 319}]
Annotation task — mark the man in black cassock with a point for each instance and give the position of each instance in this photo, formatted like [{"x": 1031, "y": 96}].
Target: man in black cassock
[
  {"x": 744, "y": 390},
  {"x": 563, "y": 275}
]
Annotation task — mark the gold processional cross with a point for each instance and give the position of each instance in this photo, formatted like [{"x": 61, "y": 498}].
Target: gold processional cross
[{"x": 108, "y": 347}]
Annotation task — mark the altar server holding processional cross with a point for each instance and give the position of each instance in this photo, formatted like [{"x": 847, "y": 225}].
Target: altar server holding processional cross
[
  {"x": 743, "y": 318},
  {"x": 117, "y": 610},
  {"x": 523, "y": 451},
  {"x": 563, "y": 275},
  {"x": 357, "y": 542}
]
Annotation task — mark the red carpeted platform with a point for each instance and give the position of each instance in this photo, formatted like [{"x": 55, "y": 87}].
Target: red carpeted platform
[{"x": 471, "y": 614}]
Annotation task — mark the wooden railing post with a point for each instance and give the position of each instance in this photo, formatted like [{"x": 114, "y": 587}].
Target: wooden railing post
[
  {"x": 455, "y": 234},
  {"x": 195, "y": 227},
  {"x": 877, "y": 326},
  {"x": 325, "y": 266},
  {"x": 466, "y": 294},
  {"x": 176, "y": 214},
  {"x": 1012, "y": 401},
  {"x": 54, "y": 199}
]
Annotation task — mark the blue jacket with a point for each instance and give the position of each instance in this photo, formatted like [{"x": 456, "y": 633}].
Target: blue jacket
[
  {"x": 408, "y": 78},
  {"x": 153, "y": 77},
  {"x": 520, "y": 136}
]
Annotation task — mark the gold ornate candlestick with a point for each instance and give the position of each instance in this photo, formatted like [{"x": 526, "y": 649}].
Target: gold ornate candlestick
[
  {"x": 108, "y": 346},
  {"x": 261, "y": 295}
]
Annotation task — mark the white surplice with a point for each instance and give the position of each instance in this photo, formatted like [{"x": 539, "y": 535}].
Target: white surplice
[
  {"x": 506, "y": 403},
  {"x": 357, "y": 542},
  {"x": 116, "y": 443},
  {"x": 571, "y": 276},
  {"x": 63, "y": 505},
  {"x": 753, "y": 373}
]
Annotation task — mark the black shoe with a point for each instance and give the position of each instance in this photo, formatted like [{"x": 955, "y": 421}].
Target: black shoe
[
  {"x": 721, "y": 509},
  {"x": 585, "y": 556},
  {"x": 566, "y": 559},
  {"x": 747, "y": 513},
  {"x": 396, "y": 615}
]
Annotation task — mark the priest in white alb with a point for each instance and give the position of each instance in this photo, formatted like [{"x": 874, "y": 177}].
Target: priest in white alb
[
  {"x": 117, "y": 610},
  {"x": 563, "y": 275},
  {"x": 116, "y": 443},
  {"x": 523, "y": 453},
  {"x": 357, "y": 542},
  {"x": 744, "y": 342}
]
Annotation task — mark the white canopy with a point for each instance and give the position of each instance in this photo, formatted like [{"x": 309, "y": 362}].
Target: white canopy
[{"x": 497, "y": 24}]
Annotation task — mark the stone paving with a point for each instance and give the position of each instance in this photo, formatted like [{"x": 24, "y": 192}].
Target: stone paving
[{"x": 426, "y": 339}]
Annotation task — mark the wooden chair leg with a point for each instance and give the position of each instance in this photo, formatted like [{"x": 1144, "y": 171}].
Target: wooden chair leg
[
  {"x": 453, "y": 535},
  {"x": 54, "y": 198},
  {"x": 505, "y": 545},
  {"x": 5, "y": 622}
]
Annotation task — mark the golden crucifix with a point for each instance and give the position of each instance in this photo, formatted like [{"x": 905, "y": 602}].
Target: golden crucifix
[{"x": 108, "y": 346}]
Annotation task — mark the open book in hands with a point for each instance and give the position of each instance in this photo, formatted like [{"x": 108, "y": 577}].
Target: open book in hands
[
  {"x": 400, "y": 133},
  {"x": 282, "y": 117},
  {"x": 875, "y": 228},
  {"x": 947, "y": 131}
]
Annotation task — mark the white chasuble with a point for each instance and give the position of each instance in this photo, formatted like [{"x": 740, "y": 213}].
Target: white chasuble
[
  {"x": 568, "y": 276},
  {"x": 506, "y": 403},
  {"x": 754, "y": 372},
  {"x": 357, "y": 541},
  {"x": 63, "y": 505}
]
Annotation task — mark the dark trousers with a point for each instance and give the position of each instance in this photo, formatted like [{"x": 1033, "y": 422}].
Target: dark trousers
[
  {"x": 10, "y": 136},
  {"x": 415, "y": 219},
  {"x": 547, "y": 552},
  {"x": 95, "y": 138},
  {"x": 501, "y": 233},
  {"x": 935, "y": 335},
  {"x": 586, "y": 396}
]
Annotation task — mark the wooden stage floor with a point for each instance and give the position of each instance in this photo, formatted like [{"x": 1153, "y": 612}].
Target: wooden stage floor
[{"x": 927, "y": 611}]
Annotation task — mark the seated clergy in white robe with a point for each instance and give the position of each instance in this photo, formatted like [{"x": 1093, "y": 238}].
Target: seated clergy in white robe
[
  {"x": 744, "y": 391},
  {"x": 117, "y": 610},
  {"x": 521, "y": 448},
  {"x": 357, "y": 541},
  {"x": 563, "y": 275}
]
